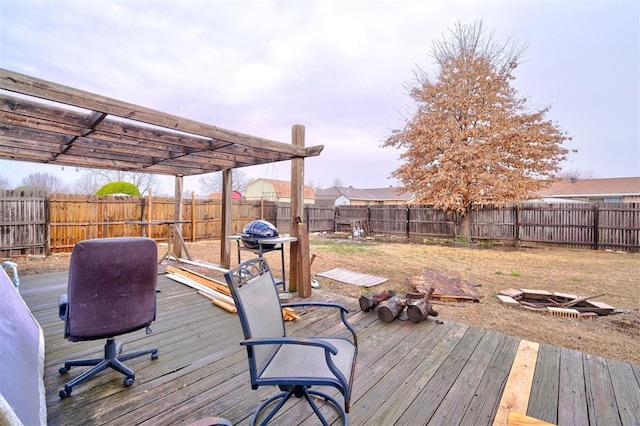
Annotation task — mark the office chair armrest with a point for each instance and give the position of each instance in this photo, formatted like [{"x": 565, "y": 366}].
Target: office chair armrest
[
  {"x": 343, "y": 311},
  {"x": 63, "y": 304}
]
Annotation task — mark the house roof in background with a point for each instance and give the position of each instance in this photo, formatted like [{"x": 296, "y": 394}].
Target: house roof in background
[
  {"x": 50, "y": 123},
  {"x": 369, "y": 194},
  {"x": 283, "y": 188},
  {"x": 235, "y": 195},
  {"x": 626, "y": 186}
]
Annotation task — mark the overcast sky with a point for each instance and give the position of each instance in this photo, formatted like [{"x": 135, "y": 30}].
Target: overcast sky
[{"x": 337, "y": 67}]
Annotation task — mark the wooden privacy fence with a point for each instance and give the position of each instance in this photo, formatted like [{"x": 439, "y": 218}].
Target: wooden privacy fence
[
  {"x": 614, "y": 226},
  {"x": 39, "y": 224},
  {"x": 23, "y": 223}
]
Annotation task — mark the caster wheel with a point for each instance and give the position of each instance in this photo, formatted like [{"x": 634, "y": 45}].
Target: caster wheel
[
  {"x": 65, "y": 393},
  {"x": 63, "y": 370},
  {"x": 154, "y": 355},
  {"x": 127, "y": 382}
]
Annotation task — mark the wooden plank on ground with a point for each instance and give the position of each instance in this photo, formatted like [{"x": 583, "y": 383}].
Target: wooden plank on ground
[
  {"x": 200, "y": 279},
  {"x": 543, "y": 402},
  {"x": 351, "y": 277},
  {"x": 572, "y": 401},
  {"x": 518, "y": 388}
]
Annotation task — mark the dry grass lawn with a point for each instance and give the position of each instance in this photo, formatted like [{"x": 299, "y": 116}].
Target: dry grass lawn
[{"x": 581, "y": 272}]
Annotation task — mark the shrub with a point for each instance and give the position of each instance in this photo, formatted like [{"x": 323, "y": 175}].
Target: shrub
[{"x": 124, "y": 188}]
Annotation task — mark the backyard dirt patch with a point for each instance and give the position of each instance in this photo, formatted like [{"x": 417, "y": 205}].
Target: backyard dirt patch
[{"x": 579, "y": 272}]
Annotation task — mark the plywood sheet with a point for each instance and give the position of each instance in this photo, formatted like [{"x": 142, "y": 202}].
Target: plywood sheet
[
  {"x": 351, "y": 277},
  {"x": 445, "y": 286}
]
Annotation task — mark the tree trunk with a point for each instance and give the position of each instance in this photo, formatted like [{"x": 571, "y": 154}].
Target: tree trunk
[
  {"x": 464, "y": 227},
  {"x": 367, "y": 303},
  {"x": 391, "y": 308}
]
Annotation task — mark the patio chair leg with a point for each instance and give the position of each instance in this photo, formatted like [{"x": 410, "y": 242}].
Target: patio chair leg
[{"x": 299, "y": 392}]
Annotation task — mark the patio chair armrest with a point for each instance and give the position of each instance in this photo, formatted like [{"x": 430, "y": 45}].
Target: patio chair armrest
[
  {"x": 343, "y": 311},
  {"x": 291, "y": 341},
  {"x": 321, "y": 304}
]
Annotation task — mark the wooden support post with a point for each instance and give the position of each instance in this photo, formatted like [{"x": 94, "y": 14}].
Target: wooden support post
[
  {"x": 149, "y": 216},
  {"x": 304, "y": 282},
  {"x": 177, "y": 217},
  {"x": 227, "y": 219},
  {"x": 193, "y": 216},
  {"x": 299, "y": 269}
]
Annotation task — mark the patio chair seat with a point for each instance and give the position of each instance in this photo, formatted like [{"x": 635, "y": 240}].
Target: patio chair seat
[{"x": 307, "y": 363}]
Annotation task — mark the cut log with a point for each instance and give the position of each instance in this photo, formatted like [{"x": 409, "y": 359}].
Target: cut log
[
  {"x": 418, "y": 306},
  {"x": 367, "y": 303},
  {"x": 391, "y": 308},
  {"x": 420, "y": 310}
]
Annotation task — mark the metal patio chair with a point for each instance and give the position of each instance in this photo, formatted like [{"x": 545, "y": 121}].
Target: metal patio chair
[{"x": 294, "y": 364}]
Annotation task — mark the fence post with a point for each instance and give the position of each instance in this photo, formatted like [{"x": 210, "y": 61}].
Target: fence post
[
  {"x": 408, "y": 227},
  {"x": 516, "y": 226},
  {"x": 596, "y": 226}
]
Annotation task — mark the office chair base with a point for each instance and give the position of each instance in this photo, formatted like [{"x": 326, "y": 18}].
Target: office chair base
[
  {"x": 112, "y": 359},
  {"x": 299, "y": 392}
]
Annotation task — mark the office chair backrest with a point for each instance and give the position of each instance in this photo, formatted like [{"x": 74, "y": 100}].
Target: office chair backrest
[
  {"x": 111, "y": 288},
  {"x": 258, "y": 305}
]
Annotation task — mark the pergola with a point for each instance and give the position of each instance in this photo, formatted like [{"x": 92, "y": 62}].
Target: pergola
[{"x": 48, "y": 123}]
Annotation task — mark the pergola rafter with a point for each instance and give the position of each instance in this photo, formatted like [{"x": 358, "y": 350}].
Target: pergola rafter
[{"x": 48, "y": 123}]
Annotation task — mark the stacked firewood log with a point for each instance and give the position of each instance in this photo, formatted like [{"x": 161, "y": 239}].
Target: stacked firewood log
[{"x": 414, "y": 307}]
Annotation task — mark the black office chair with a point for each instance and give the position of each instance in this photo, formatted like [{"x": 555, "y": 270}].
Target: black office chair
[
  {"x": 111, "y": 291},
  {"x": 294, "y": 364}
]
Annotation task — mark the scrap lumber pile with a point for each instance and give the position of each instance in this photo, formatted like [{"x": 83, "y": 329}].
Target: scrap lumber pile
[
  {"x": 414, "y": 307},
  {"x": 217, "y": 292},
  {"x": 556, "y": 303}
]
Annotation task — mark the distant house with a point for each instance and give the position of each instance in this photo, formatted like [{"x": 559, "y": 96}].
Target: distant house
[
  {"x": 276, "y": 190},
  {"x": 609, "y": 190},
  {"x": 343, "y": 196},
  {"x": 235, "y": 195}
]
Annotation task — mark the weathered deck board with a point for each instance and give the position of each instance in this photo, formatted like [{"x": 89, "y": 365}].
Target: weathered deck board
[
  {"x": 406, "y": 373},
  {"x": 543, "y": 401}
]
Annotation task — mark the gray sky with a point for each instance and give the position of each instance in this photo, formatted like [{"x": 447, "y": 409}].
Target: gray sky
[{"x": 337, "y": 67}]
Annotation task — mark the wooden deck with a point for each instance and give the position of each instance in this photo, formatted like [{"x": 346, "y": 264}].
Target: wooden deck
[{"x": 407, "y": 374}]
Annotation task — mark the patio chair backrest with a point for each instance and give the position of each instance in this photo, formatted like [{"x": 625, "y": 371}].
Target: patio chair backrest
[{"x": 254, "y": 292}]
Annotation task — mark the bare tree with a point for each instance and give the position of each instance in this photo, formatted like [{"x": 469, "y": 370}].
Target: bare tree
[
  {"x": 88, "y": 183},
  {"x": 471, "y": 138},
  {"x": 4, "y": 182},
  {"x": 43, "y": 182},
  {"x": 212, "y": 182},
  {"x": 100, "y": 177},
  {"x": 575, "y": 174},
  {"x": 336, "y": 182}
]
